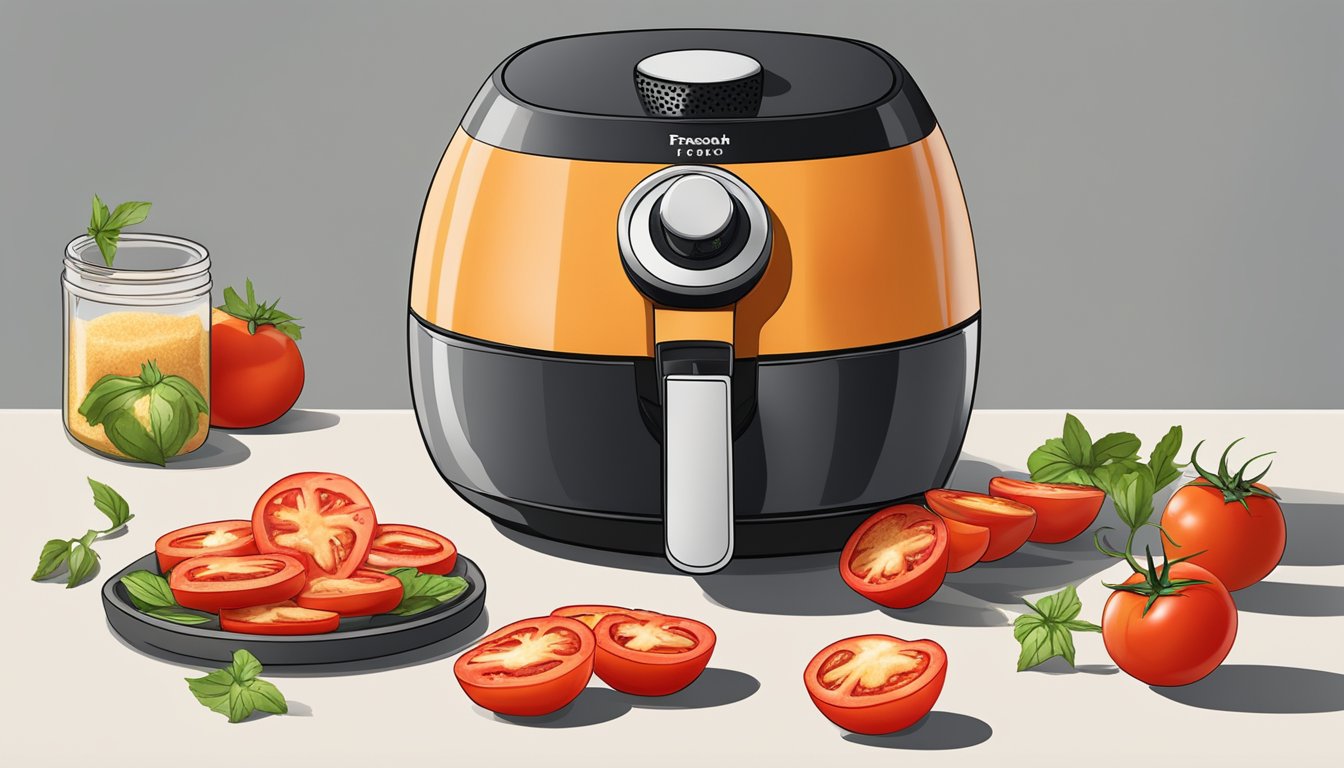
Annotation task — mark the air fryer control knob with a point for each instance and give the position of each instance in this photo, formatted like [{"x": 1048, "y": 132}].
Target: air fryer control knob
[{"x": 696, "y": 214}]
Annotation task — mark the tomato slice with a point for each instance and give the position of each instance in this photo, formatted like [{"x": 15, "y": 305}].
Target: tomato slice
[
  {"x": 224, "y": 537},
  {"x": 324, "y": 520},
  {"x": 1009, "y": 522},
  {"x": 283, "y": 618},
  {"x": 876, "y": 683},
  {"x": 364, "y": 593},
  {"x": 649, "y": 654},
  {"x": 530, "y": 667},
  {"x": 215, "y": 582},
  {"x": 408, "y": 546},
  {"x": 590, "y": 615},
  {"x": 966, "y": 544},
  {"x": 898, "y": 557},
  {"x": 1062, "y": 511}
]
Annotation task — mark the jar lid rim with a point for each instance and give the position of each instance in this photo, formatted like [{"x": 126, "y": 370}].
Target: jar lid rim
[{"x": 76, "y": 247}]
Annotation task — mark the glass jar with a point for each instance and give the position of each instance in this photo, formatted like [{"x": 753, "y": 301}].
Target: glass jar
[{"x": 137, "y": 346}]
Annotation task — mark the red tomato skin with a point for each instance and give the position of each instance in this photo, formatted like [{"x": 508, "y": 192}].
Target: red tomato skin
[
  {"x": 1237, "y": 546},
  {"x": 887, "y": 716},
  {"x": 967, "y": 544},
  {"x": 530, "y": 700},
  {"x": 650, "y": 674},
  {"x": 381, "y": 560},
  {"x": 1007, "y": 532},
  {"x": 189, "y": 595},
  {"x": 254, "y": 378},
  {"x": 1181, "y": 640},
  {"x": 169, "y": 555},
  {"x": 906, "y": 592},
  {"x": 1059, "y": 517}
]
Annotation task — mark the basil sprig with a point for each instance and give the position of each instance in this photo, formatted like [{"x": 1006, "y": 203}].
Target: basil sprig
[
  {"x": 423, "y": 591},
  {"x": 1047, "y": 632},
  {"x": 236, "y": 691},
  {"x": 105, "y": 228},
  {"x": 174, "y": 406},
  {"x": 77, "y": 554},
  {"x": 150, "y": 593}
]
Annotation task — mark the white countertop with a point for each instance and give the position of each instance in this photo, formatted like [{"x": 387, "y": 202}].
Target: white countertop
[{"x": 73, "y": 693}]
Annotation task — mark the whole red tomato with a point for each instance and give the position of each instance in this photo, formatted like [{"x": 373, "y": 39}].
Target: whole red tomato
[
  {"x": 1181, "y": 637},
  {"x": 1234, "y": 523},
  {"x": 256, "y": 371}
]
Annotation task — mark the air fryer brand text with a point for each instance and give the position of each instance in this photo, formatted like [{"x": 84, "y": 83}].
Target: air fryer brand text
[{"x": 698, "y": 146}]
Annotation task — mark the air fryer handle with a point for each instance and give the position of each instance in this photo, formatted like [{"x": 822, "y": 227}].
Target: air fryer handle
[{"x": 697, "y": 454}]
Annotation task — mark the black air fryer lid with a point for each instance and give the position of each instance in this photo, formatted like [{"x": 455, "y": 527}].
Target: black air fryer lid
[{"x": 699, "y": 95}]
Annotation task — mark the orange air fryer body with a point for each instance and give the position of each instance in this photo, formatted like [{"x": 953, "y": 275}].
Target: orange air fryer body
[{"x": 698, "y": 292}]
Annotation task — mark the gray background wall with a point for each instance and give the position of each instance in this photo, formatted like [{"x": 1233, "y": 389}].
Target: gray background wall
[{"x": 1155, "y": 187}]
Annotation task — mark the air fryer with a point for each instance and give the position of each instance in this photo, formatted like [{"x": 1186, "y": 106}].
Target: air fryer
[{"x": 699, "y": 293}]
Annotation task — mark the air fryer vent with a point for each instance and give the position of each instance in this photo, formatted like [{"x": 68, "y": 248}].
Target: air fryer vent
[{"x": 663, "y": 98}]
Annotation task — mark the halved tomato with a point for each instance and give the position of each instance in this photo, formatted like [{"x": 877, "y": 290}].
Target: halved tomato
[
  {"x": 876, "y": 683},
  {"x": 408, "y": 546},
  {"x": 283, "y": 618},
  {"x": 225, "y": 537},
  {"x": 1062, "y": 511},
  {"x": 966, "y": 544},
  {"x": 650, "y": 654},
  {"x": 1009, "y": 522},
  {"x": 898, "y": 557},
  {"x": 215, "y": 582},
  {"x": 590, "y": 615},
  {"x": 324, "y": 520},
  {"x": 530, "y": 667},
  {"x": 364, "y": 593}
]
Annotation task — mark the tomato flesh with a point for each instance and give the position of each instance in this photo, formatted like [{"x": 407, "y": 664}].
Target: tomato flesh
[
  {"x": 1240, "y": 546},
  {"x": 224, "y": 537},
  {"x": 408, "y": 546},
  {"x": 530, "y": 667},
  {"x": 649, "y": 654},
  {"x": 1181, "y": 638},
  {"x": 876, "y": 683},
  {"x": 1062, "y": 511},
  {"x": 324, "y": 520},
  {"x": 1009, "y": 523},
  {"x": 254, "y": 377},
  {"x": 214, "y": 582},
  {"x": 898, "y": 557},
  {"x": 363, "y": 593},
  {"x": 590, "y": 615},
  {"x": 283, "y": 618}
]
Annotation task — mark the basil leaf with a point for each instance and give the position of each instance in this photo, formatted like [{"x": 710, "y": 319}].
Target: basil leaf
[
  {"x": 1116, "y": 446},
  {"x": 107, "y": 244},
  {"x": 110, "y": 503},
  {"x": 267, "y": 698},
  {"x": 130, "y": 437},
  {"x": 127, "y": 214},
  {"x": 410, "y": 606},
  {"x": 1051, "y": 464},
  {"x": 108, "y": 395},
  {"x": 245, "y": 666},
  {"x": 99, "y": 218},
  {"x": 148, "y": 590},
  {"x": 1163, "y": 461},
  {"x": 1048, "y": 632},
  {"x": 54, "y": 553},
  {"x": 178, "y": 615},
  {"x": 236, "y": 691},
  {"x": 82, "y": 562},
  {"x": 188, "y": 391},
  {"x": 1105, "y": 477},
  {"x": 423, "y": 591},
  {"x": 1077, "y": 443},
  {"x": 172, "y": 419},
  {"x": 1133, "y": 496}
]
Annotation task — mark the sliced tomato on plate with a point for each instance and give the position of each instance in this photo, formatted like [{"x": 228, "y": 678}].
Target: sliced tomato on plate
[
  {"x": 323, "y": 519},
  {"x": 215, "y": 582},
  {"x": 408, "y": 546},
  {"x": 967, "y": 544},
  {"x": 1062, "y": 511},
  {"x": 898, "y": 557},
  {"x": 1009, "y": 522},
  {"x": 224, "y": 537},
  {"x": 363, "y": 593},
  {"x": 530, "y": 667},
  {"x": 283, "y": 618},
  {"x": 876, "y": 683},
  {"x": 590, "y": 615},
  {"x": 649, "y": 654}
]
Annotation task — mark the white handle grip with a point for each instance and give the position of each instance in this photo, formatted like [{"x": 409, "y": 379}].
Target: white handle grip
[{"x": 698, "y": 472}]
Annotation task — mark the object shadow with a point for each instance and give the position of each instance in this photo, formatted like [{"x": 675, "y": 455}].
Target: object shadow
[
  {"x": 939, "y": 611},
  {"x": 937, "y": 731},
  {"x": 1285, "y": 599},
  {"x": 449, "y": 646},
  {"x": 629, "y": 561},
  {"x": 293, "y": 422},
  {"x": 1262, "y": 689},
  {"x": 296, "y": 709},
  {"x": 716, "y": 687},
  {"x": 220, "y": 450},
  {"x": 1058, "y": 666},
  {"x": 1315, "y": 521}
]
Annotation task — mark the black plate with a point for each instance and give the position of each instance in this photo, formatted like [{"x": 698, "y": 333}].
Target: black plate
[{"x": 363, "y": 637}]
